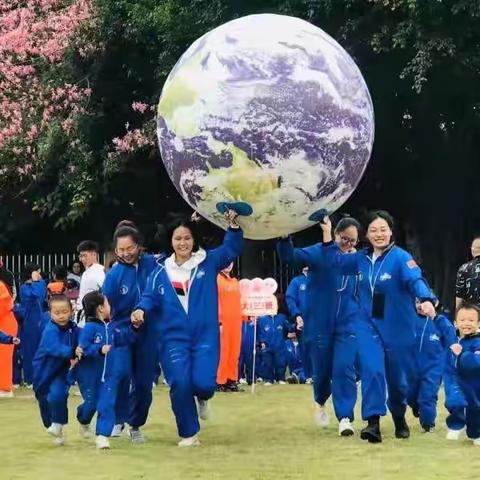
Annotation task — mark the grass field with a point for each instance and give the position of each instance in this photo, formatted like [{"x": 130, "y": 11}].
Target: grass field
[{"x": 269, "y": 435}]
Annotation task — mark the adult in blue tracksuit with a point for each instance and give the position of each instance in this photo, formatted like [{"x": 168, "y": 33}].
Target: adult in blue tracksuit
[
  {"x": 389, "y": 282},
  {"x": 271, "y": 335},
  {"x": 434, "y": 338},
  {"x": 93, "y": 348},
  {"x": 33, "y": 297},
  {"x": 133, "y": 353},
  {"x": 51, "y": 366},
  {"x": 318, "y": 328},
  {"x": 463, "y": 370},
  {"x": 246, "y": 351},
  {"x": 295, "y": 296},
  {"x": 294, "y": 358},
  {"x": 183, "y": 290}
]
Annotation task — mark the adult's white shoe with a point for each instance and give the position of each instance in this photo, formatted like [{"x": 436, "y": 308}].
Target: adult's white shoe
[
  {"x": 476, "y": 442},
  {"x": 454, "y": 434},
  {"x": 102, "y": 442},
  {"x": 309, "y": 381},
  {"x": 345, "y": 428},
  {"x": 242, "y": 381},
  {"x": 268, "y": 384},
  {"x": 189, "y": 442},
  {"x": 84, "y": 431},
  {"x": 55, "y": 430},
  {"x": 281, "y": 382},
  {"x": 203, "y": 409},
  {"x": 321, "y": 416},
  {"x": 4, "y": 394},
  {"x": 118, "y": 430}
]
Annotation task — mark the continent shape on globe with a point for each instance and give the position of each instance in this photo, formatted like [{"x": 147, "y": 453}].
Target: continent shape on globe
[{"x": 271, "y": 111}]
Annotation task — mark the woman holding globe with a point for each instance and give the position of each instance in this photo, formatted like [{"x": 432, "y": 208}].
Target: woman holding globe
[{"x": 181, "y": 298}]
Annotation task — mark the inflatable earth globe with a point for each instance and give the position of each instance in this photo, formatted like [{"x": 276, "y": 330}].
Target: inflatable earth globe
[{"x": 271, "y": 111}]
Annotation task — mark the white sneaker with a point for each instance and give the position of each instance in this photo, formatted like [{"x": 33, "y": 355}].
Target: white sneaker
[
  {"x": 454, "y": 434},
  {"x": 281, "y": 382},
  {"x": 309, "y": 381},
  {"x": 59, "y": 441},
  {"x": 242, "y": 381},
  {"x": 259, "y": 380},
  {"x": 4, "y": 394},
  {"x": 55, "y": 430},
  {"x": 84, "y": 431},
  {"x": 118, "y": 430},
  {"x": 16, "y": 386},
  {"x": 321, "y": 416},
  {"x": 345, "y": 428},
  {"x": 476, "y": 442},
  {"x": 268, "y": 384},
  {"x": 102, "y": 442},
  {"x": 203, "y": 409},
  {"x": 189, "y": 442},
  {"x": 136, "y": 436}
]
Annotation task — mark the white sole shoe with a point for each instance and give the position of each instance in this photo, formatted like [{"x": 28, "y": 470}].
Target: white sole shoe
[
  {"x": 454, "y": 434},
  {"x": 345, "y": 428},
  {"x": 322, "y": 419},
  {"x": 102, "y": 442},
  {"x": 189, "y": 442},
  {"x": 55, "y": 430}
]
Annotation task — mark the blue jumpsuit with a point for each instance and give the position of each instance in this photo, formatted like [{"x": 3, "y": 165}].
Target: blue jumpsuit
[
  {"x": 92, "y": 367},
  {"x": 246, "y": 352},
  {"x": 387, "y": 289},
  {"x": 463, "y": 387},
  {"x": 133, "y": 354},
  {"x": 189, "y": 342},
  {"x": 51, "y": 365},
  {"x": 296, "y": 304},
  {"x": 434, "y": 338},
  {"x": 320, "y": 305},
  {"x": 271, "y": 335},
  {"x": 294, "y": 359},
  {"x": 33, "y": 297}
]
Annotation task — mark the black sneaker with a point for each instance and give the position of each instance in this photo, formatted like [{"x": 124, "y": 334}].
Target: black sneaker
[
  {"x": 428, "y": 428},
  {"x": 221, "y": 388},
  {"x": 401, "y": 427},
  {"x": 371, "y": 432},
  {"x": 231, "y": 386}
]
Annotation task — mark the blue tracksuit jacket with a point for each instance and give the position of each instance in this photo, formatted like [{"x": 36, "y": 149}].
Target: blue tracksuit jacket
[
  {"x": 294, "y": 357},
  {"x": 4, "y": 338}
]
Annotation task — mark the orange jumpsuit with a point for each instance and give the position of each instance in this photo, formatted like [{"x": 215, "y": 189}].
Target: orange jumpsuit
[
  {"x": 8, "y": 325},
  {"x": 230, "y": 317}
]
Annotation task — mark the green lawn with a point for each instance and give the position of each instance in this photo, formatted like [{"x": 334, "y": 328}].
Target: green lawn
[{"x": 269, "y": 435}]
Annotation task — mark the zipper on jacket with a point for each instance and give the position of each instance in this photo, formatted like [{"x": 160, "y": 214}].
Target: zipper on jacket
[{"x": 105, "y": 359}]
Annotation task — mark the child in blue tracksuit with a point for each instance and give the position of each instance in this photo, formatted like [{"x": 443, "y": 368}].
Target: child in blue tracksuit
[
  {"x": 271, "y": 336},
  {"x": 181, "y": 301},
  {"x": 295, "y": 297},
  {"x": 134, "y": 352},
  {"x": 33, "y": 297},
  {"x": 93, "y": 348},
  {"x": 54, "y": 358},
  {"x": 246, "y": 352},
  {"x": 434, "y": 338},
  {"x": 294, "y": 358},
  {"x": 463, "y": 376}
]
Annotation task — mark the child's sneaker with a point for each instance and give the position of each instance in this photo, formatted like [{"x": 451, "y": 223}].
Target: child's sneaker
[
  {"x": 136, "y": 436},
  {"x": 102, "y": 442},
  {"x": 281, "y": 382},
  {"x": 55, "y": 430},
  {"x": 242, "y": 381},
  {"x": 454, "y": 434},
  {"x": 59, "y": 441},
  {"x": 476, "y": 442},
  {"x": 203, "y": 409},
  {"x": 268, "y": 384},
  {"x": 345, "y": 428},
  {"x": 309, "y": 381},
  {"x": 118, "y": 430},
  {"x": 84, "y": 431},
  {"x": 189, "y": 442},
  {"x": 428, "y": 428},
  {"x": 321, "y": 416}
]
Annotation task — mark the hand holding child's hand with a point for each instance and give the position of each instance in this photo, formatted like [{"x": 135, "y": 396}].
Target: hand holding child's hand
[
  {"x": 16, "y": 341},
  {"x": 456, "y": 348}
]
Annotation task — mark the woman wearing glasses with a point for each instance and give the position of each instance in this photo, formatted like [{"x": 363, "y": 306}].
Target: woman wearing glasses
[
  {"x": 134, "y": 352},
  {"x": 388, "y": 284},
  {"x": 329, "y": 313}
]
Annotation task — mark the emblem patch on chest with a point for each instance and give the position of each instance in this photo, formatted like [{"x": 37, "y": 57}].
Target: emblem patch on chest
[
  {"x": 385, "y": 276},
  {"x": 123, "y": 290}
]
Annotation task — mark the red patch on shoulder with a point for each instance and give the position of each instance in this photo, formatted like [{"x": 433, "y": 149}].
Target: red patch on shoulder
[{"x": 412, "y": 263}]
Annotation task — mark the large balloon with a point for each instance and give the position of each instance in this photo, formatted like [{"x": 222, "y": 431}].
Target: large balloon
[{"x": 268, "y": 110}]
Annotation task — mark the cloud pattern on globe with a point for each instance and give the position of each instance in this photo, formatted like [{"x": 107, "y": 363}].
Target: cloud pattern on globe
[{"x": 268, "y": 110}]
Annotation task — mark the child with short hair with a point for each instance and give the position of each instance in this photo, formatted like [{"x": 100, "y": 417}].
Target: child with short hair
[
  {"x": 465, "y": 366},
  {"x": 93, "y": 348},
  {"x": 54, "y": 358}
]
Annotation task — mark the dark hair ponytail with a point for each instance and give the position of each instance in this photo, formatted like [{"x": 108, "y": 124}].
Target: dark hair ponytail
[
  {"x": 126, "y": 228},
  {"x": 91, "y": 301}
]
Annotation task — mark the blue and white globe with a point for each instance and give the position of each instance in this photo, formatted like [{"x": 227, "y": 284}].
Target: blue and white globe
[{"x": 268, "y": 110}]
